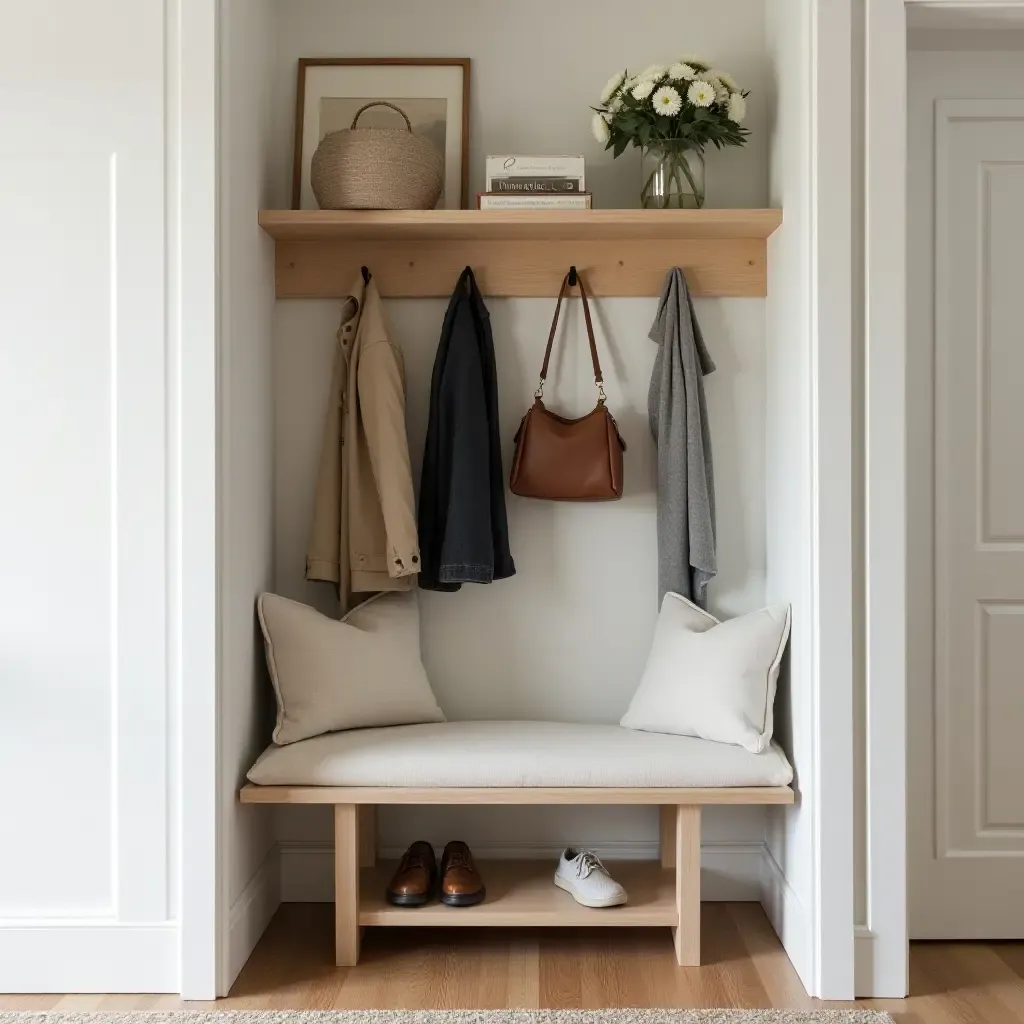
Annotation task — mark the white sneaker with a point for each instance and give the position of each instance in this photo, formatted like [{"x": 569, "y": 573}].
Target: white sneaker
[{"x": 581, "y": 874}]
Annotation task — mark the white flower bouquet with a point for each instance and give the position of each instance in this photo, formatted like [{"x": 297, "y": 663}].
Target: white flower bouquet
[{"x": 671, "y": 113}]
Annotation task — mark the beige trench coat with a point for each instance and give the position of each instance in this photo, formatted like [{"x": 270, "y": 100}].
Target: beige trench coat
[{"x": 364, "y": 522}]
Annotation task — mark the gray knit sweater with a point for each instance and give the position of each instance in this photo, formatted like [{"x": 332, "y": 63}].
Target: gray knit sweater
[{"x": 679, "y": 423}]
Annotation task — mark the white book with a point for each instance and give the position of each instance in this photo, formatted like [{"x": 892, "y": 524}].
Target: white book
[
  {"x": 514, "y": 165},
  {"x": 513, "y": 201}
]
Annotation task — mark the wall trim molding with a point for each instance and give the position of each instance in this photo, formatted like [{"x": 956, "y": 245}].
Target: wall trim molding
[
  {"x": 863, "y": 961},
  {"x": 195, "y": 583},
  {"x": 86, "y": 956},
  {"x": 789, "y": 917},
  {"x": 729, "y": 870},
  {"x": 251, "y": 912},
  {"x": 885, "y": 488}
]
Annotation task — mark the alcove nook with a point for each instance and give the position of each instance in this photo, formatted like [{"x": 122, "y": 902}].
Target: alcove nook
[{"x": 566, "y": 638}]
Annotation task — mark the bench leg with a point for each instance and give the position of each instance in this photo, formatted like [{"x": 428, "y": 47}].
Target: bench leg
[
  {"x": 686, "y": 933},
  {"x": 346, "y": 885},
  {"x": 367, "y": 835}
]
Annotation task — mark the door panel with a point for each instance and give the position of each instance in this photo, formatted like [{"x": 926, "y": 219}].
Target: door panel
[
  {"x": 55, "y": 373},
  {"x": 1002, "y": 353},
  {"x": 83, "y": 462},
  {"x": 967, "y": 714}
]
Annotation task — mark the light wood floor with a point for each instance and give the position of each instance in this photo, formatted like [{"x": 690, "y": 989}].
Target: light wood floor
[{"x": 292, "y": 968}]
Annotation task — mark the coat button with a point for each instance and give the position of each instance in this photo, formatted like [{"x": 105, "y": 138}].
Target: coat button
[
  {"x": 415, "y": 559},
  {"x": 398, "y": 562}
]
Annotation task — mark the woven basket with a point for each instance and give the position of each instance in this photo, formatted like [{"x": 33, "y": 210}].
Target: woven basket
[{"x": 376, "y": 168}]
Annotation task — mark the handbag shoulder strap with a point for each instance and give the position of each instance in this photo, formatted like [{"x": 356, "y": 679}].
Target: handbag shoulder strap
[{"x": 598, "y": 376}]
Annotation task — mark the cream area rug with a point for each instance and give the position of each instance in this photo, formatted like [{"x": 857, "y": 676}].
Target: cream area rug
[{"x": 459, "y": 1017}]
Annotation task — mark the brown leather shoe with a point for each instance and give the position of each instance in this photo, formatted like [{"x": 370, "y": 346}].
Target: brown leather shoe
[
  {"x": 461, "y": 884},
  {"x": 415, "y": 881}
]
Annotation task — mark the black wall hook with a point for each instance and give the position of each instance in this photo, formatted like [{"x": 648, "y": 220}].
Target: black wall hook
[
  {"x": 366, "y": 275},
  {"x": 572, "y": 277}
]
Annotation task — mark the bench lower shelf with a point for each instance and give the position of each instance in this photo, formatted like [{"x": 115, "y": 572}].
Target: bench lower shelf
[{"x": 522, "y": 894}]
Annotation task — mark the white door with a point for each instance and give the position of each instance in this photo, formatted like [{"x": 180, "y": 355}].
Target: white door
[
  {"x": 967, "y": 607},
  {"x": 87, "y": 862}
]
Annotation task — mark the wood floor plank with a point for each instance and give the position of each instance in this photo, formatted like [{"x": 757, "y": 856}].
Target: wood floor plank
[
  {"x": 609, "y": 975},
  {"x": 126, "y": 1003},
  {"x": 559, "y": 975},
  {"x": 778, "y": 977},
  {"x": 31, "y": 1002},
  {"x": 950, "y": 970},
  {"x": 744, "y": 965},
  {"x": 668, "y": 985},
  {"x": 410, "y": 970},
  {"x": 523, "y": 990},
  {"x": 740, "y": 985},
  {"x": 989, "y": 973}
]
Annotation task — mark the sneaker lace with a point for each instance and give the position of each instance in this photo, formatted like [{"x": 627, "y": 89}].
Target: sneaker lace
[{"x": 587, "y": 862}]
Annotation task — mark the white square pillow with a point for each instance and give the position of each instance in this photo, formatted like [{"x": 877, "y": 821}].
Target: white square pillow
[
  {"x": 363, "y": 671},
  {"x": 715, "y": 680}
]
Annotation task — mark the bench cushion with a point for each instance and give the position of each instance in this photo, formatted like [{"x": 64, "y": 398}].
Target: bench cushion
[{"x": 528, "y": 754}]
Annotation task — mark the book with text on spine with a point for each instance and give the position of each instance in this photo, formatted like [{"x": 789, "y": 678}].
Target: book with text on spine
[
  {"x": 513, "y": 201},
  {"x": 533, "y": 184},
  {"x": 515, "y": 166}
]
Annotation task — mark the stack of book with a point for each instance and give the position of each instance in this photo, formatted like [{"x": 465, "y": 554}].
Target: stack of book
[{"x": 534, "y": 183}]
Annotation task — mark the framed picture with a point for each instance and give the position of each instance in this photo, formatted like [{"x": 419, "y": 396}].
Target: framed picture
[{"x": 433, "y": 92}]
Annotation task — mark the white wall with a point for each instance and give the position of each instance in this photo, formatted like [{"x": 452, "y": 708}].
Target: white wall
[
  {"x": 90, "y": 528},
  {"x": 567, "y": 637},
  {"x": 809, "y": 882},
  {"x": 537, "y": 68},
  {"x": 246, "y": 447},
  {"x": 789, "y": 889}
]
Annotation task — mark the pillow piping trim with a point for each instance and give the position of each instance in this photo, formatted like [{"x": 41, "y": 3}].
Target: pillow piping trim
[
  {"x": 776, "y": 667},
  {"x": 268, "y": 645},
  {"x": 692, "y": 604}
]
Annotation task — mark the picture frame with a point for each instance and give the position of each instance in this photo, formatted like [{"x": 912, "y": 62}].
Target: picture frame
[{"x": 433, "y": 91}]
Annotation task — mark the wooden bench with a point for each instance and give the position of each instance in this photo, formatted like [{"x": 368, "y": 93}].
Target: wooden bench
[{"x": 519, "y": 893}]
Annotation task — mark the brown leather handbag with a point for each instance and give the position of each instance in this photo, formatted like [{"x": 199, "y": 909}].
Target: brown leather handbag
[{"x": 562, "y": 459}]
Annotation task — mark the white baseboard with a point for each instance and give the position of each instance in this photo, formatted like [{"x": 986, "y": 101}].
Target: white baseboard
[
  {"x": 249, "y": 916},
  {"x": 789, "y": 918},
  {"x": 863, "y": 962},
  {"x": 879, "y": 966},
  {"x": 729, "y": 871},
  {"x": 87, "y": 956}
]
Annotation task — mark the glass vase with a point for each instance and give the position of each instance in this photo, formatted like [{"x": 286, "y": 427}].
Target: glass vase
[{"x": 673, "y": 176}]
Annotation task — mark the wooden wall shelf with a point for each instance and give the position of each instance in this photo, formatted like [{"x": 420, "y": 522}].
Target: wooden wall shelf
[{"x": 520, "y": 253}]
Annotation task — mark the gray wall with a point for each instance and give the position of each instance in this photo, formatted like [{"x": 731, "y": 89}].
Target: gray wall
[{"x": 567, "y": 637}]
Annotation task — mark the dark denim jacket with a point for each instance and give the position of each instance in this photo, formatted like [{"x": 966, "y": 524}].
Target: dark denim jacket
[{"x": 463, "y": 529}]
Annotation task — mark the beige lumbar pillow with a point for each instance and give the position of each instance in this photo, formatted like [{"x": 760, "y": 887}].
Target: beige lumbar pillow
[
  {"x": 715, "y": 680},
  {"x": 363, "y": 671}
]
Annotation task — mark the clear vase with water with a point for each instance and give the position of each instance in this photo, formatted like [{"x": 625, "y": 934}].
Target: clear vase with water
[{"x": 673, "y": 175}]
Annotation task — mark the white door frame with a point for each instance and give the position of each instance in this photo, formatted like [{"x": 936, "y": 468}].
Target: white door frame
[
  {"x": 885, "y": 222},
  {"x": 831, "y": 159},
  {"x": 886, "y": 965},
  {"x": 192, "y": 376}
]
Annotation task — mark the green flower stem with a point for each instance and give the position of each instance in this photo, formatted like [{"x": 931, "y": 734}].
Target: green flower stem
[
  {"x": 673, "y": 164},
  {"x": 685, "y": 167},
  {"x": 648, "y": 190}
]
